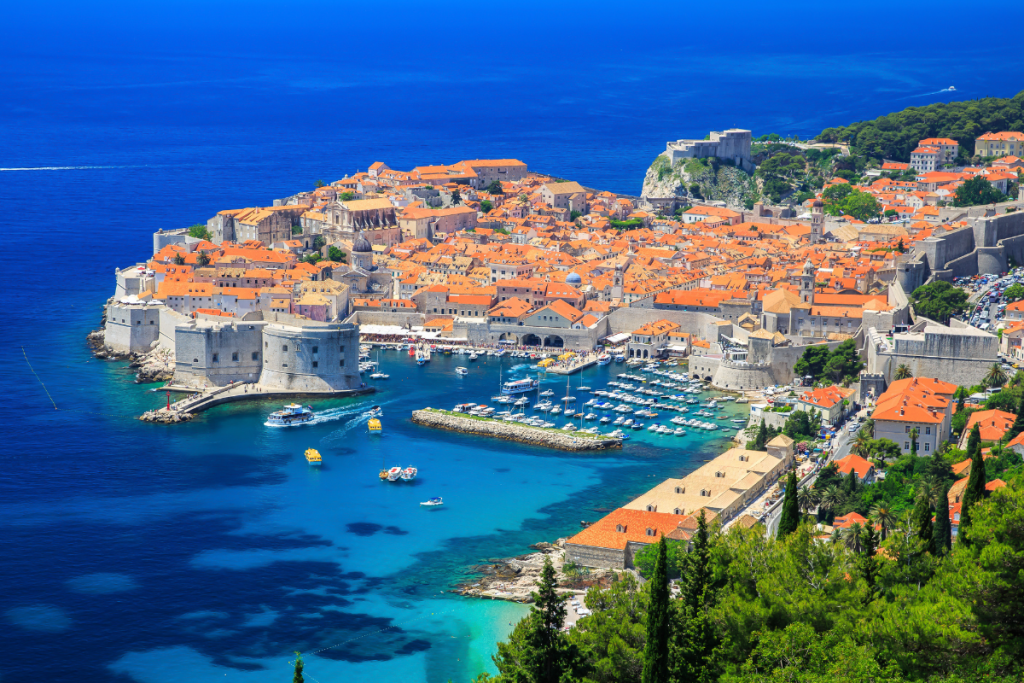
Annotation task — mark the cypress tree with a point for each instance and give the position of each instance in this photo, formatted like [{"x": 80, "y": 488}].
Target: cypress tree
[
  {"x": 962, "y": 400},
  {"x": 922, "y": 521},
  {"x": 790, "y": 517},
  {"x": 698, "y": 571},
  {"x": 297, "y": 676},
  {"x": 693, "y": 640},
  {"x": 974, "y": 441},
  {"x": 974, "y": 492},
  {"x": 851, "y": 483},
  {"x": 1018, "y": 424},
  {"x": 762, "y": 436},
  {"x": 866, "y": 561},
  {"x": 942, "y": 531},
  {"x": 656, "y": 650}
]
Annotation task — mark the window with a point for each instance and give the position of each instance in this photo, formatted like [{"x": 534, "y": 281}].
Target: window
[
  {"x": 677, "y": 511},
  {"x": 138, "y": 322},
  {"x": 927, "y": 446},
  {"x": 315, "y": 364},
  {"x": 234, "y": 356},
  {"x": 342, "y": 363},
  {"x": 341, "y": 349},
  {"x": 266, "y": 345},
  {"x": 927, "y": 430},
  {"x": 906, "y": 429},
  {"x": 284, "y": 347},
  {"x": 651, "y": 532},
  {"x": 255, "y": 355},
  {"x": 316, "y": 349},
  {"x": 906, "y": 445},
  {"x": 621, "y": 529},
  {"x": 705, "y": 492},
  {"x": 284, "y": 365},
  {"x": 652, "y": 508}
]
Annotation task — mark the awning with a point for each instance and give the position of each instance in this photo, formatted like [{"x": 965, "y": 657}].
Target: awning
[{"x": 617, "y": 338}]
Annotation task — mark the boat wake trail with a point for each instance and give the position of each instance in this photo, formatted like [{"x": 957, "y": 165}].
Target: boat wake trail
[
  {"x": 67, "y": 168},
  {"x": 357, "y": 416}
]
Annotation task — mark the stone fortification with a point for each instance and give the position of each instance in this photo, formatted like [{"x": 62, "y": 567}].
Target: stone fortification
[
  {"x": 310, "y": 356},
  {"x": 511, "y": 431},
  {"x": 962, "y": 356}
]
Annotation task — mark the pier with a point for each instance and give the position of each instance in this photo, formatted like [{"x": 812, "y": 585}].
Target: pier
[
  {"x": 204, "y": 399},
  {"x": 513, "y": 431}
]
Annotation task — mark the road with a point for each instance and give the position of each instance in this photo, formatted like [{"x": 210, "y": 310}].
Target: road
[{"x": 843, "y": 444}]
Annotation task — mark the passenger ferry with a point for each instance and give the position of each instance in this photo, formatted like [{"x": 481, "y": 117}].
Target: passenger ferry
[
  {"x": 313, "y": 457},
  {"x": 519, "y": 386},
  {"x": 291, "y": 415},
  {"x": 409, "y": 473},
  {"x": 604, "y": 359}
]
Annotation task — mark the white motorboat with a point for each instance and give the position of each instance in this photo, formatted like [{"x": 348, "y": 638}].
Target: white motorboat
[
  {"x": 604, "y": 359},
  {"x": 291, "y": 415},
  {"x": 394, "y": 473},
  {"x": 547, "y": 393},
  {"x": 433, "y": 502},
  {"x": 519, "y": 386},
  {"x": 461, "y": 371},
  {"x": 605, "y": 420},
  {"x": 409, "y": 473},
  {"x": 472, "y": 356},
  {"x": 380, "y": 375},
  {"x": 522, "y": 402}
]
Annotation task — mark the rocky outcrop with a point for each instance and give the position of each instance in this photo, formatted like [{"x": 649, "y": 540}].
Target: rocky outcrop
[
  {"x": 512, "y": 431},
  {"x": 714, "y": 179},
  {"x": 153, "y": 366},
  {"x": 164, "y": 417},
  {"x": 516, "y": 578}
]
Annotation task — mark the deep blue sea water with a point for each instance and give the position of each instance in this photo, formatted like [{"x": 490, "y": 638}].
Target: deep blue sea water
[{"x": 210, "y": 551}]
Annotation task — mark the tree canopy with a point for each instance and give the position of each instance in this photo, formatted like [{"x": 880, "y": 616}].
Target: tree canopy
[
  {"x": 895, "y": 136},
  {"x": 199, "y": 231},
  {"x": 938, "y": 300},
  {"x": 977, "y": 190},
  {"x": 842, "y": 364}
]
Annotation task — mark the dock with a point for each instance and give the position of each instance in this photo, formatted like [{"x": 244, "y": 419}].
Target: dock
[
  {"x": 572, "y": 369},
  {"x": 513, "y": 431},
  {"x": 199, "y": 400}
]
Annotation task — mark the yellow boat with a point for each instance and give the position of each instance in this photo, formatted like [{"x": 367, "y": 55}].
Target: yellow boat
[
  {"x": 374, "y": 425},
  {"x": 313, "y": 456}
]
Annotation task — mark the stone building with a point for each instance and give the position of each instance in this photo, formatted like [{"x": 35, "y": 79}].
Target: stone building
[
  {"x": 436, "y": 224},
  {"x": 310, "y": 356},
  {"x": 959, "y": 355},
  {"x": 733, "y": 144}
]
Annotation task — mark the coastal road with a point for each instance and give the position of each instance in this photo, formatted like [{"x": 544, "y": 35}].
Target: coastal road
[{"x": 842, "y": 449}]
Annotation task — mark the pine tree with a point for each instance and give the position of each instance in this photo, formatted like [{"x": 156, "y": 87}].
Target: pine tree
[
  {"x": 1018, "y": 424},
  {"x": 656, "y": 649},
  {"x": 790, "y": 516},
  {"x": 866, "y": 560},
  {"x": 694, "y": 639},
  {"x": 974, "y": 492},
  {"x": 942, "y": 531},
  {"x": 537, "y": 651},
  {"x": 297, "y": 676},
  {"x": 961, "y": 400},
  {"x": 922, "y": 521}
]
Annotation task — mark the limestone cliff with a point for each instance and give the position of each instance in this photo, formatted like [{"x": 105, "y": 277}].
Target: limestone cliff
[{"x": 714, "y": 179}]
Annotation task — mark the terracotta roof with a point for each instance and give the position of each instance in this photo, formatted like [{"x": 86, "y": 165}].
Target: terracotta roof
[{"x": 622, "y": 525}]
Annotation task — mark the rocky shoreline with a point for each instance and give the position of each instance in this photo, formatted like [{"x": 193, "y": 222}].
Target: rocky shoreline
[
  {"x": 155, "y": 366},
  {"x": 512, "y": 431},
  {"x": 515, "y": 578}
]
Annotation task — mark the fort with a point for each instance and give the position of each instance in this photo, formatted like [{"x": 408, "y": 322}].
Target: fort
[{"x": 732, "y": 144}]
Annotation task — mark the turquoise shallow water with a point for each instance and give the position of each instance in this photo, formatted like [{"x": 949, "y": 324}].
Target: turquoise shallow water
[{"x": 217, "y": 551}]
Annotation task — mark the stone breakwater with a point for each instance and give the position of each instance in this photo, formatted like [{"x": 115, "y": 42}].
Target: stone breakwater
[{"x": 513, "y": 431}]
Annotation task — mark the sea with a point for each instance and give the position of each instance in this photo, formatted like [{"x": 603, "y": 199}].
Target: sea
[{"x": 211, "y": 551}]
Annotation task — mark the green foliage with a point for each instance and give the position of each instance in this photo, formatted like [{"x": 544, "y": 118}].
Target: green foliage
[
  {"x": 179, "y": 259},
  {"x": 790, "y": 516},
  {"x": 646, "y": 558},
  {"x": 574, "y": 215},
  {"x": 861, "y": 205},
  {"x": 495, "y": 187},
  {"x": 296, "y": 229},
  {"x": 812, "y": 362},
  {"x": 1014, "y": 292},
  {"x": 942, "y": 532},
  {"x": 895, "y": 135},
  {"x": 996, "y": 376},
  {"x": 486, "y": 206},
  {"x": 319, "y": 242},
  {"x": 631, "y": 224},
  {"x": 841, "y": 365},
  {"x": 319, "y": 183},
  {"x": 199, "y": 231},
  {"x": 977, "y": 190},
  {"x": 312, "y": 258},
  {"x": 297, "y": 675},
  {"x": 335, "y": 254},
  {"x": 501, "y": 231},
  {"x": 346, "y": 196},
  {"x": 802, "y": 425},
  {"x": 202, "y": 259},
  {"x": 938, "y": 300},
  {"x": 614, "y": 637},
  {"x": 456, "y": 197},
  {"x": 537, "y": 650},
  {"x": 974, "y": 492},
  {"x": 656, "y": 663}
]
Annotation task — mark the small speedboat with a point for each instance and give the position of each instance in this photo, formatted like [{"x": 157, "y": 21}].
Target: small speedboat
[
  {"x": 461, "y": 371},
  {"x": 472, "y": 356},
  {"x": 433, "y": 502},
  {"x": 394, "y": 473},
  {"x": 313, "y": 457}
]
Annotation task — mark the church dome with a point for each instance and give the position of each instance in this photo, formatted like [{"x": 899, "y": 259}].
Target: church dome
[
  {"x": 573, "y": 279},
  {"x": 817, "y": 203},
  {"x": 361, "y": 245}
]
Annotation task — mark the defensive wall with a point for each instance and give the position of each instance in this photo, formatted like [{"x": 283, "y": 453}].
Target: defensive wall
[
  {"x": 959, "y": 355},
  {"x": 314, "y": 357},
  {"x": 132, "y": 328},
  {"x": 984, "y": 247},
  {"x": 212, "y": 353}
]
